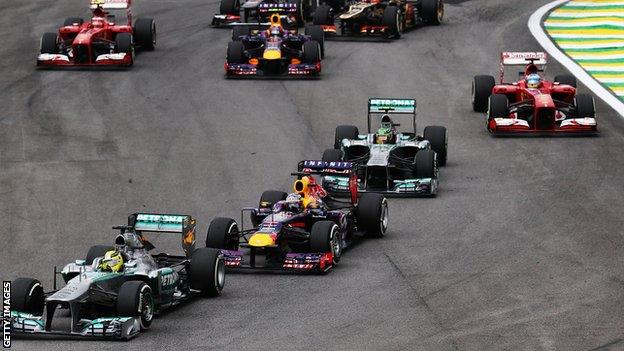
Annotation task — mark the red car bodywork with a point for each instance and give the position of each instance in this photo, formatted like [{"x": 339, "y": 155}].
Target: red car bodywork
[
  {"x": 91, "y": 43},
  {"x": 549, "y": 108}
]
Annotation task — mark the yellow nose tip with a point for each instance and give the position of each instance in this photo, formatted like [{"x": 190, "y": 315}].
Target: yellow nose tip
[
  {"x": 261, "y": 240},
  {"x": 272, "y": 54}
]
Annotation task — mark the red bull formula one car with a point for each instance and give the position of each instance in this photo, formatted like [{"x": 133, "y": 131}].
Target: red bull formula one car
[
  {"x": 533, "y": 104},
  {"x": 274, "y": 51},
  {"x": 304, "y": 231},
  {"x": 105, "y": 40}
]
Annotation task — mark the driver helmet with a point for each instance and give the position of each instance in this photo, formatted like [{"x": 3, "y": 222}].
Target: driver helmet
[
  {"x": 533, "y": 81},
  {"x": 293, "y": 203},
  {"x": 275, "y": 30},
  {"x": 112, "y": 261},
  {"x": 97, "y": 22},
  {"x": 385, "y": 131}
]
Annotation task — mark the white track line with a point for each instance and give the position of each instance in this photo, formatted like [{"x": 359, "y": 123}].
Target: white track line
[{"x": 535, "y": 26}]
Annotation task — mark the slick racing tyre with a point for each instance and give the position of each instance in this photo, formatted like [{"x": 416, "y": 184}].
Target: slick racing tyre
[
  {"x": 311, "y": 52},
  {"x": 481, "y": 90},
  {"x": 145, "y": 33},
  {"x": 323, "y": 16},
  {"x": 372, "y": 214},
  {"x": 344, "y": 132},
  {"x": 438, "y": 137},
  {"x": 324, "y": 238},
  {"x": 96, "y": 251},
  {"x": 235, "y": 52},
  {"x": 123, "y": 42},
  {"x": 566, "y": 79},
  {"x": 498, "y": 106},
  {"x": 27, "y": 296},
  {"x": 207, "y": 271},
  {"x": 229, "y": 7},
  {"x": 585, "y": 106},
  {"x": 301, "y": 14},
  {"x": 135, "y": 299},
  {"x": 316, "y": 33},
  {"x": 393, "y": 21},
  {"x": 73, "y": 21},
  {"x": 238, "y": 32},
  {"x": 432, "y": 11},
  {"x": 332, "y": 155},
  {"x": 425, "y": 162},
  {"x": 222, "y": 234},
  {"x": 49, "y": 43}
]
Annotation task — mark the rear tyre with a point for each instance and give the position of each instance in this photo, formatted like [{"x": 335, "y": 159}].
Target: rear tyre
[
  {"x": 229, "y": 7},
  {"x": 498, "y": 106},
  {"x": 325, "y": 237},
  {"x": 207, "y": 271},
  {"x": 481, "y": 90},
  {"x": 135, "y": 299},
  {"x": 241, "y": 31},
  {"x": 344, "y": 132},
  {"x": 438, "y": 137},
  {"x": 27, "y": 296},
  {"x": 222, "y": 234},
  {"x": 235, "y": 52},
  {"x": 73, "y": 21},
  {"x": 432, "y": 11},
  {"x": 301, "y": 14},
  {"x": 566, "y": 79},
  {"x": 585, "y": 106},
  {"x": 123, "y": 42},
  {"x": 97, "y": 251},
  {"x": 323, "y": 16},
  {"x": 372, "y": 214},
  {"x": 311, "y": 52},
  {"x": 49, "y": 43},
  {"x": 332, "y": 155},
  {"x": 145, "y": 33},
  {"x": 316, "y": 33},
  {"x": 392, "y": 20},
  {"x": 425, "y": 161}
]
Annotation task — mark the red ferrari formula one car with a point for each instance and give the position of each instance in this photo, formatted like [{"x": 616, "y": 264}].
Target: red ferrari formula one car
[
  {"x": 99, "y": 42},
  {"x": 532, "y": 104}
]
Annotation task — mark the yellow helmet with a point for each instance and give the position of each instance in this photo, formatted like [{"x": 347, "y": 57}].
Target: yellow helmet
[{"x": 112, "y": 261}]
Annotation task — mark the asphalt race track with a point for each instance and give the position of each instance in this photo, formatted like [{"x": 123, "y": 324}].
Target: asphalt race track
[{"x": 521, "y": 250}]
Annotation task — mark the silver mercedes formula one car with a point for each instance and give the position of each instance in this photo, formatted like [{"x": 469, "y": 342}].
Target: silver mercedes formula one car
[
  {"x": 115, "y": 291},
  {"x": 389, "y": 161}
]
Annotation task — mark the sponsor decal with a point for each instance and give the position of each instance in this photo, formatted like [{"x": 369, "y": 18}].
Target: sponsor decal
[{"x": 6, "y": 314}]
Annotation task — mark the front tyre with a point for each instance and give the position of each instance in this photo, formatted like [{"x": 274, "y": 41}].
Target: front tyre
[
  {"x": 585, "y": 106},
  {"x": 222, "y": 234},
  {"x": 324, "y": 238},
  {"x": 392, "y": 21},
  {"x": 135, "y": 299},
  {"x": 482, "y": 86},
  {"x": 49, "y": 43},
  {"x": 27, "y": 296}
]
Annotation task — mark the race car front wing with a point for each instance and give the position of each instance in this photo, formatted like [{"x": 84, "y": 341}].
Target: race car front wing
[
  {"x": 116, "y": 328},
  {"x": 339, "y": 185},
  {"x": 296, "y": 262}
]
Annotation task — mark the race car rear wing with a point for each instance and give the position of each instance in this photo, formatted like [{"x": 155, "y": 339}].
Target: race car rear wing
[
  {"x": 166, "y": 223},
  {"x": 111, "y": 4},
  {"x": 266, "y": 8},
  {"x": 392, "y": 106},
  {"x": 346, "y": 169},
  {"x": 538, "y": 59}
]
